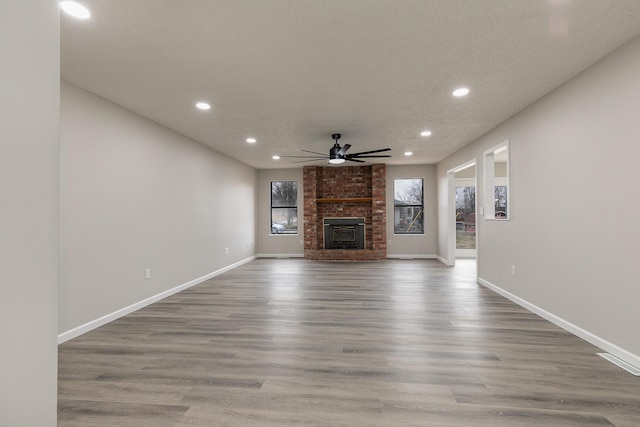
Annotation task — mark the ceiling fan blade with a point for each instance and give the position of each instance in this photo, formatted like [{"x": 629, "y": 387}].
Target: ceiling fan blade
[
  {"x": 355, "y": 160},
  {"x": 314, "y": 152},
  {"x": 344, "y": 148},
  {"x": 370, "y": 157},
  {"x": 309, "y": 157},
  {"x": 310, "y": 160},
  {"x": 369, "y": 152}
]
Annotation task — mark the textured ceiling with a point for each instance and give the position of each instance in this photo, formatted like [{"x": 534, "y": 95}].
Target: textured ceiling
[{"x": 292, "y": 72}]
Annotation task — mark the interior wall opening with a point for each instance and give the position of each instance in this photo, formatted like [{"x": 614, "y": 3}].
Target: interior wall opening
[{"x": 465, "y": 211}]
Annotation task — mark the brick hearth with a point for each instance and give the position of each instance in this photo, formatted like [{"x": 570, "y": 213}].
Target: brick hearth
[{"x": 345, "y": 191}]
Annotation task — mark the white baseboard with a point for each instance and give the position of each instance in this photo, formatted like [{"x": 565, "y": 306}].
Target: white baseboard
[
  {"x": 410, "y": 256},
  {"x": 280, "y": 256},
  {"x": 605, "y": 345},
  {"x": 443, "y": 260},
  {"x": 77, "y": 331}
]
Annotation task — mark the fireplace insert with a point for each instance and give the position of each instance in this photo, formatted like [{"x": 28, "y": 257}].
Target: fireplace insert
[{"x": 344, "y": 233}]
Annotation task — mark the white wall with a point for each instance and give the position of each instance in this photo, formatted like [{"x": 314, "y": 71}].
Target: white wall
[
  {"x": 572, "y": 234},
  {"x": 414, "y": 245},
  {"x": 29, "y": 117},
  {"x": 278, "y": 244},
  {"x": 136, "y": 195}
]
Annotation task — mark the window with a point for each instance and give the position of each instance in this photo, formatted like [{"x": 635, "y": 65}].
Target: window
[
  {"x": 496, "y": 167},
  {"x": 408, "y": 207},
  {"x": 284, "y": 207}
]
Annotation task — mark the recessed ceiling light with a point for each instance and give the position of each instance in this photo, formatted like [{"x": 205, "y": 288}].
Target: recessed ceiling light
[
  {"x": 203, "y": 106},
  {"x": 425, "y": 133},
  {"x": 75, "y": 9},
  {"x": 462, "y": 91},
  {"x": 251, "y": 140},
  {"x": 408, "y": 153},
  {"x": 275, "y": 157}
]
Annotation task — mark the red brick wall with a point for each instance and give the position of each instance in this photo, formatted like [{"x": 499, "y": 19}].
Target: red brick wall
[
  {"x": 344, "y": 181},
  {"x": 340, "y": 183},
  {"x": 310, "y": 191}
]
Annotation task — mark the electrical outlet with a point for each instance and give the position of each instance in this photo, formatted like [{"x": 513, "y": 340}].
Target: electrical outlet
[
  {"x": 147, "y": 273},
  {"x": 513, "y": 270},
  {"x": 226, "y": 251},
  {"x": 301, "y": 242}
]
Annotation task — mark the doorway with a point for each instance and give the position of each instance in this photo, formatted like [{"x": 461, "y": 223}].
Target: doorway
[{"x": 464, "y": 180}]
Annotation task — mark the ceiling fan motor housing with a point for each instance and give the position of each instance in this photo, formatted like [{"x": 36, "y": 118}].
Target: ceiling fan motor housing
[{"x": 334, "y": 152}]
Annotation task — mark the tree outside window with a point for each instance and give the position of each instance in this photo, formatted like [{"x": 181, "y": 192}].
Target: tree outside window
[
  {"x": 284, "y": 207},
  {"x": 465, "y": 217},
  {"x": 408, "y": 206},
  {"x": 501, "y": 201}
]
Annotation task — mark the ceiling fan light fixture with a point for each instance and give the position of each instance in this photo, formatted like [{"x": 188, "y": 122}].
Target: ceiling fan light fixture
[{"x": 334, "y": 155}]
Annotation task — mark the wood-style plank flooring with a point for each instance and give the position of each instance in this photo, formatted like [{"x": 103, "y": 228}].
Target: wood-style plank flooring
[{"x": 292, "y": 342}]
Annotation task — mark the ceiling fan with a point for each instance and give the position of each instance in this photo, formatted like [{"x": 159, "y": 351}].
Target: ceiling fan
[{"x": 338, "y": 155}]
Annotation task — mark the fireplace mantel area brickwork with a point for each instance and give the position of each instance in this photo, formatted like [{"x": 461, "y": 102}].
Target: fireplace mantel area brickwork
[{"x": 345, "y": 191}]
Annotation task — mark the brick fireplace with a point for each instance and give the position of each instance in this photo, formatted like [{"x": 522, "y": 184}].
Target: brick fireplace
[{"x": 345, "y": 192}]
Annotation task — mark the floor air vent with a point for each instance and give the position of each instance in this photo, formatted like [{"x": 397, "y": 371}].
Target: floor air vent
[{"x": 621, "y": 363}]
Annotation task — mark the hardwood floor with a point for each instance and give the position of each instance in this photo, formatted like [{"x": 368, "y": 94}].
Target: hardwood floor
[{"x": 292, "y": 342}]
